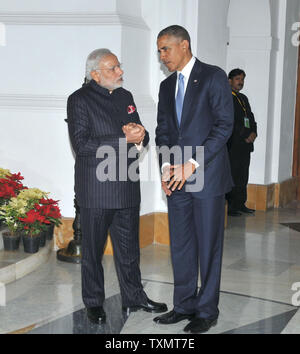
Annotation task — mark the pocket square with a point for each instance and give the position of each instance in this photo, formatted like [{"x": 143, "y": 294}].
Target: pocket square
[{"x": 130, "y": 109}]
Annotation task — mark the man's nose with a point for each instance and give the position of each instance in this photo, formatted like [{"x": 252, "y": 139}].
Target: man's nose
[
  {"x": 162, "y": 56},
  {"x": 119, "y": 71}
]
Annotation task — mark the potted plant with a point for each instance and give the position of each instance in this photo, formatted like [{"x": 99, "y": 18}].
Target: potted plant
[
  {"x": 34, "y": 224},
  {"x": 50, "y": 209},
  {"x": 10, "y": 186},
  {"x": 16, "y": 208},
  {"x": 10, "y": 214}
]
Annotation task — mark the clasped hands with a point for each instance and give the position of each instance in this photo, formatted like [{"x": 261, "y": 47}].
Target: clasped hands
[
  {"x": 134, "y": 133},
  {"x": 175, "y": 176}
]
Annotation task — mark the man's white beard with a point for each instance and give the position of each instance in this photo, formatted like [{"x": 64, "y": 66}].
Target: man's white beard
[{"x": 113, "y": 87}]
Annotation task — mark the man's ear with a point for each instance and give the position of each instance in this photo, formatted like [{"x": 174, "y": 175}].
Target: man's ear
[
  {"x": 230, "y": 82},
  {"x": 185, "y": 45},
  {"x": 95, "y": 76}
]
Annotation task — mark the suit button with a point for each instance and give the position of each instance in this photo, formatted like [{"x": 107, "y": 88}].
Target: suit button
[{"x": 180, "y": 138}]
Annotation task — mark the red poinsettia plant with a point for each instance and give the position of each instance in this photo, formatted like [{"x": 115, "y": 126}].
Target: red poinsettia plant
[
  {"x": 38, "y": 219},
  {"x": 10, "y": 186},
  {"x": 34, "y": 223},
  {"x": 50, "y": 209}
]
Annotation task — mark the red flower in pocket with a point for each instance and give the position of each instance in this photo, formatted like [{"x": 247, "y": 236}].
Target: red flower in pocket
[{"x": 130, "y": 109}]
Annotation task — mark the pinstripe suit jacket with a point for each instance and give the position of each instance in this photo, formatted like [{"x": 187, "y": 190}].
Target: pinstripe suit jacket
[{"x": 95, "y": 119}]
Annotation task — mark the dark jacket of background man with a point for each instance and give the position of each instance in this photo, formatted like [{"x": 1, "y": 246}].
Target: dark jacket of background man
[{"x": 240, "y": 146}]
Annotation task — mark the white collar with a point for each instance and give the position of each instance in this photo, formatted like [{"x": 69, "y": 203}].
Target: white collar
[{"x": 186, "y": 71}]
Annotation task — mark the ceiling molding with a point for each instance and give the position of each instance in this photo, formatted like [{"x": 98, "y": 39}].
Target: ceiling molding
[{"x": 72, "y": 18}]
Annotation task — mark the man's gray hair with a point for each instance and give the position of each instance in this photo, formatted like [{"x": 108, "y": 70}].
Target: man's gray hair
[{"x": 92, "y": 62}]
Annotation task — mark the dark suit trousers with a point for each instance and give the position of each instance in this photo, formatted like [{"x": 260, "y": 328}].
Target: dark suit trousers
[
  {"x": 124, "y": 231},
  {"x": 196, "y": 233},
  {"x": 239, "y": 162}
]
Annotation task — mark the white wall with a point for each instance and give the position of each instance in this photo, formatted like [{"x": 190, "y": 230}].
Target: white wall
[{"x": 213, "y": 32}]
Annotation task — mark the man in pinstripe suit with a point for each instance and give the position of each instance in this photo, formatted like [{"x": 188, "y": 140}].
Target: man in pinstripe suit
[{"x": 102, "y": 114}]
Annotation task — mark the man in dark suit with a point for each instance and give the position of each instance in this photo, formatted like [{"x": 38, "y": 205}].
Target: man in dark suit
[
  {"x": 240, "y": 145},
  {"x": 195, "y": 109},
  {"x": 103, "y": 126}
]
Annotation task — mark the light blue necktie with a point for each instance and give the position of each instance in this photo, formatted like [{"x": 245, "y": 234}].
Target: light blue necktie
[{"x": 180, "y": 97}]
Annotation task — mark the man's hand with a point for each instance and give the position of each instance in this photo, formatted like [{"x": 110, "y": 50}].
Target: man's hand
[
  {"x": 251, "y": 138},
  {"x": 179, "y": 174},
  {"x": 134, "y": 133},
  {"x": 165, "y": 178},
  {"x": 164, "y": 186}
]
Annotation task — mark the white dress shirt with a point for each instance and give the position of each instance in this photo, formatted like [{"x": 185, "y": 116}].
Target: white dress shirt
[{"x": 186, "y": 72}]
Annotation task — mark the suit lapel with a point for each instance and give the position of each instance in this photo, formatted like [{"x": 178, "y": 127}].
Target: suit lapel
[
  {"x": 173, "y": 79},
  {"x": 194, "y": 81}
]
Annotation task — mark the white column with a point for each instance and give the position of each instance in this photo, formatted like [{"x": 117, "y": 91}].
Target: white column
[{"x": 286, "y": 92}]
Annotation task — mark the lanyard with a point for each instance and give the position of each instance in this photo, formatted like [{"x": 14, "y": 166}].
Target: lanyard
[{"x": 241, "y": 102}]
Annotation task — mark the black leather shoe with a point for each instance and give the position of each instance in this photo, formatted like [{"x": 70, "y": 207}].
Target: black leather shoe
[
  {"x": 246, "y": 210},
  {"x": 199, "y": 325},
  {"x": 149, "y": 306},
  {"x": 96, "y": 314},
  {"x": 172, "y": 317},
  {"x": 234, "y": 213}
]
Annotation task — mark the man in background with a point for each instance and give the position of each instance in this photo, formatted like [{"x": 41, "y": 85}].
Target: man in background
[{"x": 240, "y": 145}]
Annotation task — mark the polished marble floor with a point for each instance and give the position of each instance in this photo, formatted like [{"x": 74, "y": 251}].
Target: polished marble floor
[{"x": 261, "y": 263}]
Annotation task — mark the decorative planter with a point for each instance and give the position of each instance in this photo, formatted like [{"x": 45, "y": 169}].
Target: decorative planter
[
  {"x": 11, "y": 242},
  {"x": 31, "y": 244},
  {"x": 50, "y": 232}
]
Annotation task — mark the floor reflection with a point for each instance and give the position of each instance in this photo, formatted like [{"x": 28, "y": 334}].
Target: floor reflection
[{"x": 78, "y": 323}]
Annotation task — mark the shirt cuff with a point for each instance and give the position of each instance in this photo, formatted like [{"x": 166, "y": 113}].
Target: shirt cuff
[
  {"x": 164, "y": 164},
  {"x": 194, "y": 162},
  {"x": 139, "y": 146}
]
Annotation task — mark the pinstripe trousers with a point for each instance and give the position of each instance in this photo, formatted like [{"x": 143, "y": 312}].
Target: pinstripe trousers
[{"x": 123, "y": 225}]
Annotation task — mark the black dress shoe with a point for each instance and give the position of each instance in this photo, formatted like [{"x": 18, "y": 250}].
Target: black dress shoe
[
  {"x": 234, "y": 213},
  {"x": 172, "y": 317},
  {"x": 246, "y": 210},
  {"x": 96, "y": 314},
  {"x": 149, "y": 306},
  {"x": 199, "y": 325}
]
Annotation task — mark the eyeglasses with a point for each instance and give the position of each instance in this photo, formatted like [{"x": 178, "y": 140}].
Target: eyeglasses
[{"x": 114, "y": 68}]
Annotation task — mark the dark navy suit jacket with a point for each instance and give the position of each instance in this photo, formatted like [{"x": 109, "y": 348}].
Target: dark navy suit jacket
[
  {"x": 207, "y": 120},
  {"x": 95, "y": 119}
]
